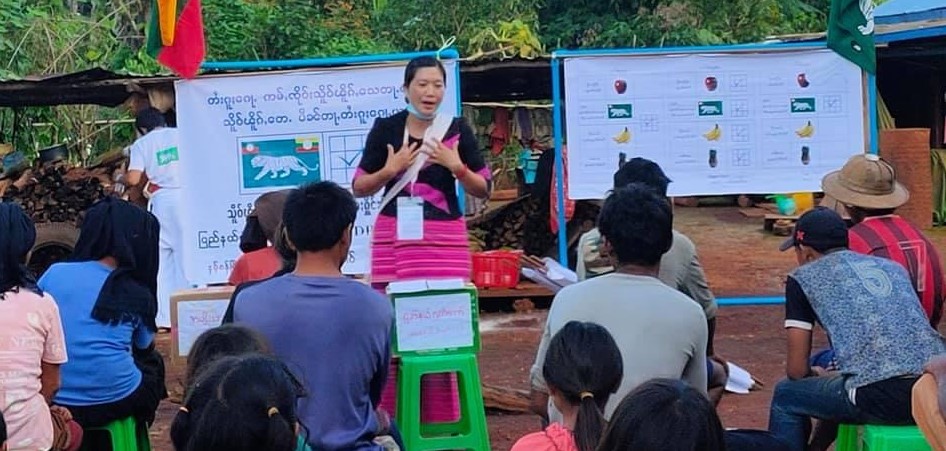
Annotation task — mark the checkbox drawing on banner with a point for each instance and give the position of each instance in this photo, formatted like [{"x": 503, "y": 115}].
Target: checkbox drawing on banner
[{"x": 346, "y": 154}]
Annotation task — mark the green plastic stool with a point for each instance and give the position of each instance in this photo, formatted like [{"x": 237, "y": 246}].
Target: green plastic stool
[
  {"x": 880, "y": 438},
  {"x": 470, "y": 432},
  {"x": 127, "y": 435}
]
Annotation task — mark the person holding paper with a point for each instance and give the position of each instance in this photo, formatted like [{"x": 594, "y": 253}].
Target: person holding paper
[
  {"x": 880, "y": 334},
  {"x": 417, "y": 157},
  {"x": 661, "y": 332}
]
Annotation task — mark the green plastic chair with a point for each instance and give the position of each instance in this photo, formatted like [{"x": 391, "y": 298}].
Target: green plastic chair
[
  {"x": 470, "y": 432},
  {"x": 871, "y": 437},
  {"x": 126, "y": 435}
]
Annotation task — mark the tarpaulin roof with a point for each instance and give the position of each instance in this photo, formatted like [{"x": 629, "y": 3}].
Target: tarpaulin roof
[
  {"x": 92, "y": 86},
  {"x": 899, "y": 11}
]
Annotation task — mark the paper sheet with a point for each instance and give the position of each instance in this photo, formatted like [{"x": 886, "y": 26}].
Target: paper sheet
[
  {"x": 740, "y": 381},
  {"x": 434, "y": 322}
]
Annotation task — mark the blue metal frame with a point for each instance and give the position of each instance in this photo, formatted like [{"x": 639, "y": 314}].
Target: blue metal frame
[
  {"x": 557, "y": 112},
  {"x": 450, "y": 53},
  {"x": 906, "y": 35}
]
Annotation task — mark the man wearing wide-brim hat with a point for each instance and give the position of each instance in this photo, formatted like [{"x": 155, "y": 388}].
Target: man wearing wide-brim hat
[{"x": 868, "y": 188}]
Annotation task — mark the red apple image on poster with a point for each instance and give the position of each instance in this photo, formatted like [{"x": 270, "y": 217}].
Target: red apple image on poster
[
  {"x": 711, "y": 83},
  {"x": 620, "y": 86},
  {"x": 803, "y": 80}
]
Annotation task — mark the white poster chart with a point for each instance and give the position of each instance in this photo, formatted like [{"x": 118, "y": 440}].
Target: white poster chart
[
  {"x": 717, "y": 124},
  {"x": 193, "y": 312},
  {"x": 244, "y": 135},
  {"x": 434, "y": 322}
]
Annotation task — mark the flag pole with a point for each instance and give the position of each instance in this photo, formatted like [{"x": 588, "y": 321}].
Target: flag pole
[{"x": 874, "y": 140}]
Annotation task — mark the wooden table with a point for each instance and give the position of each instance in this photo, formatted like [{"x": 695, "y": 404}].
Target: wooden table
[{"x": 523, "y": 290}]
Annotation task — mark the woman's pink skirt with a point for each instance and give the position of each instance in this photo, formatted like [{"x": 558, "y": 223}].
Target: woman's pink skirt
[{"x": 444, "y": 253}]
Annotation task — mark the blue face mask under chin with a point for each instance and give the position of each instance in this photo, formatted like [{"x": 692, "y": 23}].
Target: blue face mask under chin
[{"x": 426, "y": 117}]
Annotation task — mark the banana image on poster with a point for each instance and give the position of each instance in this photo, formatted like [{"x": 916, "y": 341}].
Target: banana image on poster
[
  {"x": 624, "y": 137},
  {"x": 806, "y": 131},
  {"x": 714, "y": 134}
]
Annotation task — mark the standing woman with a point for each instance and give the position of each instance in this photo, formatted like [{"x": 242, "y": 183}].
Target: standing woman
[{"x": 441, "y": 249}]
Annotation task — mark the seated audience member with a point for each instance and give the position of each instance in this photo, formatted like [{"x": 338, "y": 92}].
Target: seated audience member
[
  {"x": 870, "y": 312},
  {"x": 107, "y": 298},
  {"x": 679, "y": 268},
  {"x": 32, "y": 346},
  {"x": 3, "y": 433},
  {"x": 929, "y": 403},
  {"x": 636, "y": 226},
  {"x": 345, "y": 325},
  {"x": 867, "y": 186},
  {"x": 240, "y": 403},
  {"x": 664, "y": 415},
  {"x": 224, "y": 341},
  {"x": 260, "y": 259},
  {"x": 582, "y": 369},
  {"x": 286, "y": 255}
]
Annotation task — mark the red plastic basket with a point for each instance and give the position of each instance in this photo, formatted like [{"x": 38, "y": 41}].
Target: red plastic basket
[{"x": 496, "y": 269}]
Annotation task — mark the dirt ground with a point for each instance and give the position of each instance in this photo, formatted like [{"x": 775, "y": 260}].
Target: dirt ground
[{"x": 740, "y": 260}]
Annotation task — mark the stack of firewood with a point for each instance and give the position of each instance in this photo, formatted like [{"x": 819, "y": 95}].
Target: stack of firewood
[{"x": 58, "y": 192}]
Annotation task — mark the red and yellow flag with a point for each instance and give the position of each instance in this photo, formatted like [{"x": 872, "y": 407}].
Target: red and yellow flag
[{"x": 176, "y": 35}]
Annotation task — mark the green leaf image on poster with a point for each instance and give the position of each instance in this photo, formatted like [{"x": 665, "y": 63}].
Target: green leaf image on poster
[{"x": 279, "y": 162}]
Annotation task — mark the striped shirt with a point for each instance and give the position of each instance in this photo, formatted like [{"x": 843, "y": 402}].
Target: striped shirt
[{"x": 896, "y": 239}]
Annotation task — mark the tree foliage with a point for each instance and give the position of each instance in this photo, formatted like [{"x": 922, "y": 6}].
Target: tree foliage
[{"x": 56, "y": 36}]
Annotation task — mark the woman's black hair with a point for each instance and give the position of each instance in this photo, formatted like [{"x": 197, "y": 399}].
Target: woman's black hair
[
  {"x": 584, "y": 364},
  {"x": 245, "y": 403},
  {"x": 3, "y": 430},
  {"x": 286, "y": 253},
  {"x": 419, "y": 63},
  {"x": 664, "y": 415},
  {"x": 17, "y": 236},
  {"x": 129, "y": 234},
  {"x": 224, "y": 341}
]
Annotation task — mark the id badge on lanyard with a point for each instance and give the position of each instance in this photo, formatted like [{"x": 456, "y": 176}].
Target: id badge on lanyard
[{"x": 410, "y": 211}]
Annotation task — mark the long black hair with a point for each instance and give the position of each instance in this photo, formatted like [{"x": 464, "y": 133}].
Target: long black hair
[
  {"x": 223, "y": 341},
  {"x": 664, "y": 415},
  {"x": 129, "y": 234},
  {"x": 17, "y": 236},
  {"x": 584, "y": 364},
  {"x": 245, "y": 403}
]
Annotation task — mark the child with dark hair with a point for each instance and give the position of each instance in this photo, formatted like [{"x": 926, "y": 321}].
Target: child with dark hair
[
  {"x": 287, "y": 256},
  {"x": 335, "y": 330},
  {"x": 107, "y": 296},
  {"x": 664, "y": 415},
  {"x": 32, "y": 346},
  {"x": 582, "y": 369},
  {"x": 245, "y": 403},
  {"x": 224, "y": 341},
  {"x": 636, "y": 226},
  {"x": 260, "y": 260}
]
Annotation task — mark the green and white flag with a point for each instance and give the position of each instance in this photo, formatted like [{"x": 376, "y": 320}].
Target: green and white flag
[{"x": 851, "y": 32}]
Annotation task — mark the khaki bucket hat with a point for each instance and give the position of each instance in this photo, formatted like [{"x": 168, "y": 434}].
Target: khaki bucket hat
[{"x": 866, "y": 181}]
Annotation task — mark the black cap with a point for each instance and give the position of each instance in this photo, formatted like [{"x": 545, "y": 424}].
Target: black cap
[{"x": 821, "y": 229}]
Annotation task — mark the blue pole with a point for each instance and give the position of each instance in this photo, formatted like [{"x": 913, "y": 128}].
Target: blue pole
[
  {"x": 872, "y": 120},
  {"x": 746, "y": 301},
  {"x": 461, "y": 194},
  {"x": 559, "y": 163},
  {"x": 323, "y": 62}
]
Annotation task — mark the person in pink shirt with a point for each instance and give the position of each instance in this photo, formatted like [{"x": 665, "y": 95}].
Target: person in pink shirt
[
  {"x": 583, "y": 368},
  {"x": 32, "y": 347}
]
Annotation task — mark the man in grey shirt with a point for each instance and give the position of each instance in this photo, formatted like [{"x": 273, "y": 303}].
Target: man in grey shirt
[
  {"x": 661, "y": 332},
  {"x": 679, "y": 268}
]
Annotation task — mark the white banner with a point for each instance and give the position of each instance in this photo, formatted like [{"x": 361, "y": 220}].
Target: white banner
[
  {"x": 716, "y": 123},
  {"x": 244, "y": 135}
]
